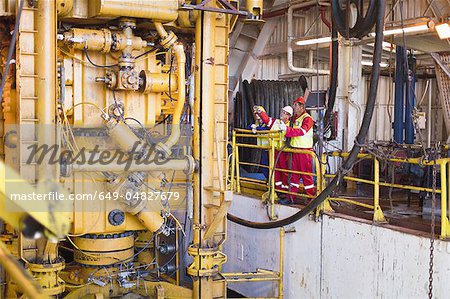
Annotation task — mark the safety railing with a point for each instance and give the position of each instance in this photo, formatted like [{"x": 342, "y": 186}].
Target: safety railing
[
  {"x": 321, "y": 176},
  {"x": 272, "y": 138},
  {"x": 378, "y": 215}
]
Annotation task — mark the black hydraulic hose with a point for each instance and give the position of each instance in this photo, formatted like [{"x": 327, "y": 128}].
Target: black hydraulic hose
[
  {"x": 334, "y": 74},
  {"x": 12, "y": 47},
  {"x": 364, "y": 23},
  {"x": 349, "y": 162}
]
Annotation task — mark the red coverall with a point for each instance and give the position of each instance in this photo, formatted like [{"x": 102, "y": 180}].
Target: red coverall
[
  {"x": 301, "y": 162},
  {"x": 281, "y": 178}
]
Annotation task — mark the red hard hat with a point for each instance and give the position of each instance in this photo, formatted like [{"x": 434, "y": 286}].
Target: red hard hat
[{"x": 300, "y": 100}]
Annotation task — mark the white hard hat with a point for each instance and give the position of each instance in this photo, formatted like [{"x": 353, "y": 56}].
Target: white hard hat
[{"x": 288, "y": 109}]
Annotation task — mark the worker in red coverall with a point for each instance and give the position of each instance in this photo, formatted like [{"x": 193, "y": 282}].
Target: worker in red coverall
[
  {"x": 301, "y": 134},
  {"x": 281, "y": 158}
]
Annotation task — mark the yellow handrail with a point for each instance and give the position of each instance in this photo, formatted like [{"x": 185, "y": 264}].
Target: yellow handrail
[{"x": 321, "y": 175}]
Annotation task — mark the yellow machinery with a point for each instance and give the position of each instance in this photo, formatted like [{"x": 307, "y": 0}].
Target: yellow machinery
[{"x": 136, "y": 80}]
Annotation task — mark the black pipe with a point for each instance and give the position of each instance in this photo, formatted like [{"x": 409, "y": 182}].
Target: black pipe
[{"x": 349, "y": 162}]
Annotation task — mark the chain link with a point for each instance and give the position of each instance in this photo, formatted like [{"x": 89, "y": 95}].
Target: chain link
[{"x": 433, "y": 222}]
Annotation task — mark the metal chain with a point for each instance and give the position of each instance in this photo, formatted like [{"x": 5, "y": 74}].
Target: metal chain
[{"x": 433, "y": 222}]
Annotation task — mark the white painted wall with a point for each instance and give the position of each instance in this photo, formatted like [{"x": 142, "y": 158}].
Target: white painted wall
[{"x": 335, "y": 258}]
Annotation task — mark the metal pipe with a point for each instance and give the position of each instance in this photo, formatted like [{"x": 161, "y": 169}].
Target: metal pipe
[
  {"x": 45, "y": 20},
  {"x": 186, "y": 165},
  {"x": 166, "y": 11},
  {"x": 290, "y": 51},
  {"x": 178, "y": 49}
]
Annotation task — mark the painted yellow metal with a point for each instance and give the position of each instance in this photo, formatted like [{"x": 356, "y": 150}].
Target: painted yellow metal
[
  {"x": 23, "y": 279},
  {"x": 166, "y": 147},
  {"x": 47, "y": 276},
  {"x": 157, "y": 82},
  {"x": 101, "y": 252},
  {"x": 64, "y": 7},
  {"x": 45, "y": 48},
  {"x": 94, "y": 40},
  {"x": 378, "y": 215},
  {"x": 166, "y": 11},
  {"x": 445, "y": 223}
]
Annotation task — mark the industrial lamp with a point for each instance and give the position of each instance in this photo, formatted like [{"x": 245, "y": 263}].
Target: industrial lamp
[{"x": 443, "y": 30}]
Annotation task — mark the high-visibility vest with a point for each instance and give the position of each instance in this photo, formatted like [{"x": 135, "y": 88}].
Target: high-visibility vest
[
  {"x": 261, "y": 141},
  {"x": 276, "y": 127},
  {"x": 305, "y": 141}
]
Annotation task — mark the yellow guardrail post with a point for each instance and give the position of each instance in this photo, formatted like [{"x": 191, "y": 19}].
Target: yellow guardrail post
[
  {"x": 445, "y": 225},
  {"x": 271, "y": 178},
  {"x": 233, "y": 160},
  {"x": 238, "y": 173},
  {"x": 378, "y": 215},
  {"x": 322, "y": 183}
]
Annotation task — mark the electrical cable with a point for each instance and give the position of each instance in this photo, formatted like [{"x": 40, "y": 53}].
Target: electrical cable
[
  {"x": 11, "y": 49},
  {"x": 349, "y": 162},
  {"x": 97, "y": 65}
]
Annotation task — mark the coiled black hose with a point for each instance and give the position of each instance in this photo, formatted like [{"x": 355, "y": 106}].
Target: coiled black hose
[
  {"x": 364, "y": 22},
  {"x": 349, "y": 162}
]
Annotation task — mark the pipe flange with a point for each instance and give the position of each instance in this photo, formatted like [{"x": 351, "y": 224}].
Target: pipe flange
[
  {"x": 169, "y": 40},
  {"x": 116, "y": 217},
  {"x": 191, "y": 167},
  {"x": 163, "y": 150},
  {"x": 10, "y": 139}
]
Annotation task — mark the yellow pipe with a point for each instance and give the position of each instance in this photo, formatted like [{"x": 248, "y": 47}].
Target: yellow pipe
[
  {"x": 120, "y": 165},
  {"x": 45, "y": 20},
  {"x": 178, "y": 49},
  {"x": 22, "y": 278},
  {"x": 166, "y": 11}
]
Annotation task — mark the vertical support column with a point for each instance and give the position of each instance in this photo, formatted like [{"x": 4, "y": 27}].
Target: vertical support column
[
  {"x": 45, "y": 46},
  {"x": 349, "y": 91}
]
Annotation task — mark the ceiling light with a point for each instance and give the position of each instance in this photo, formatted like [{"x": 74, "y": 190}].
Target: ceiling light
[
  {"x": 307, "y": 42},
  {"x": 443, "y": 30},
  {"x": 370, "y": 63},
  {"x": 400, "y": 30}
]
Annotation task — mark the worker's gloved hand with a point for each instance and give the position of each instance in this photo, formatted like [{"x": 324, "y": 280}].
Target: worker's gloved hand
[
  {"x": 257, "y": 109},
  {"x": 282, "y": 127},
  {"x": 254, "y": 128}
]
